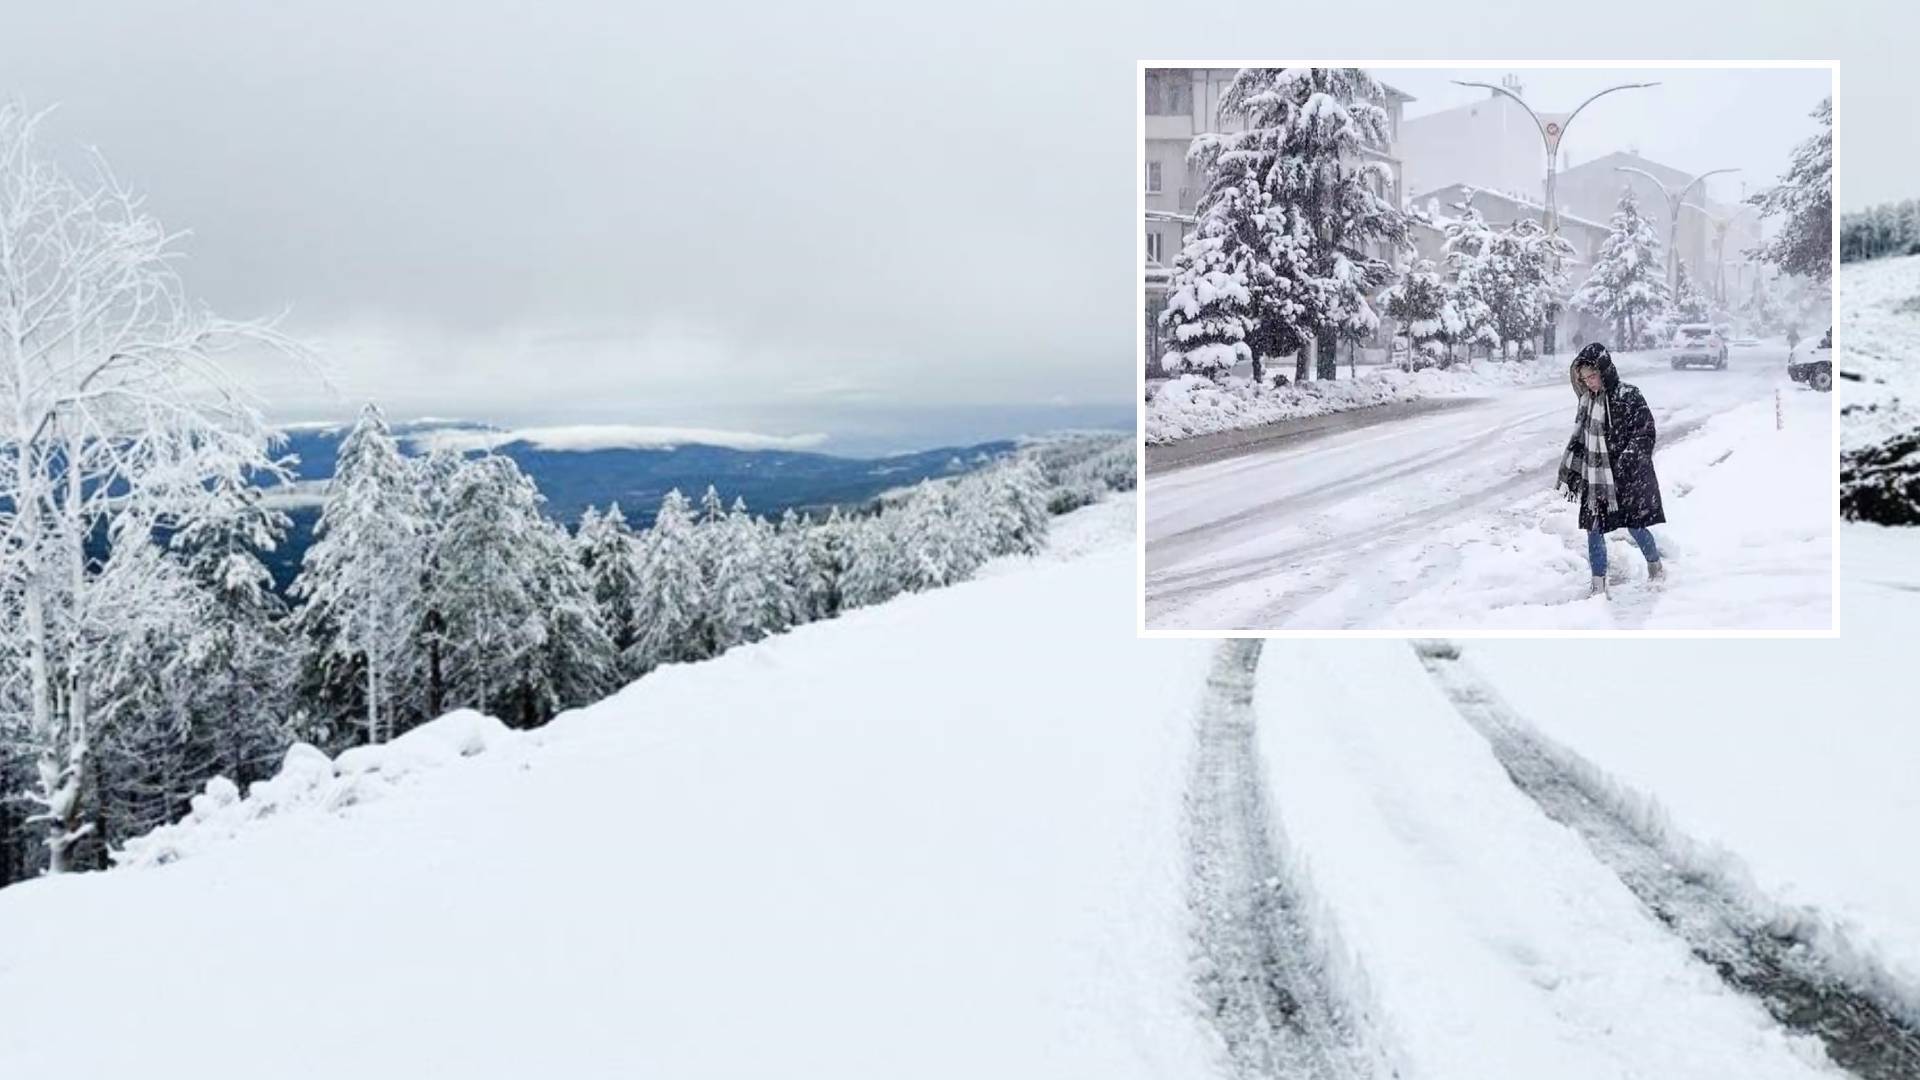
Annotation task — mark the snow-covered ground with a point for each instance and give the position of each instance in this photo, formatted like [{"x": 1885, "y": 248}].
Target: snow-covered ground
[
  {"x": 1194, "y": 405},
  {"x": 1879, "y": 339},
  {"x": 938, "y": 837},
  {"x": 1449, "y": 520},
  {"x": 944, "y": 836},
  {"x": 1791, "y": 754},
  {"x": 1492, "y": 938}
]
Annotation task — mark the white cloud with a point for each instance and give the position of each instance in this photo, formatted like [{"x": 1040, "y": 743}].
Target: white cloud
[{"x": 610, "y": 437}]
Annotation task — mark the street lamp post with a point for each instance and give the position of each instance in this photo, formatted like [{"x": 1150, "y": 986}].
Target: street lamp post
[
  {"x": 1674, "y": 202},
  {"x": 1720, "y": 227},
  {"x": 1551, "y": 132}
]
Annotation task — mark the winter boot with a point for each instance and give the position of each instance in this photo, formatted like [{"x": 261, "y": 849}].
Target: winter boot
[
  {"x": 1656, "y": 571},
  {"x": 1599, "y": 587}
]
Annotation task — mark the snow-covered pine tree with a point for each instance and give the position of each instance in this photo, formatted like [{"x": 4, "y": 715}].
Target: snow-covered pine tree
[
  {"x": 1541, "y": 273},
  {"x": 1627, "y": 285},
  {"x": 113, "y": 408},
  {"x": 968, "y": 502},
  {"x": 930, "y": 553},
  {"x": 671, "y": 607},
  {"x": 156, "y": 746},
  {"x": 1018, "y": 500},
  {"x": 578, "y": 663},
  {"x": 1325, "y": 205},
  {"x": 1471, "y": 278},
  {"x": 1417, "y": 302},
  {"x": 1689, "y": 305},
  {"x": 361, "y": 577},
  {"x": 244, "y": 662},
  {"x": 1804, "y": 199},
  {"x": 611, "y": 559},
  {"x": 786, "y": 606},
  {"x": 1209, "y": 315},
  {"x": 799, "y": 544},
  {"x": 487, "y": 585},
  {"x": 737, "y": 578},
  {"x": 826, "y": 547},
  {"x": 423, "y": 684},
  {"x": 874, "y": 570},
  {"x": 1522, "y": 277}
]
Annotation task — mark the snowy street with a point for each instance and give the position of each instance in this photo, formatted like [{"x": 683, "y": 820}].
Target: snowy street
[{"x": 1448, "y": 519}]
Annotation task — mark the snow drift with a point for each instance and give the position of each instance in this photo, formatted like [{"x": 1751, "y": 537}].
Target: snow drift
[{"x": 930, "y": 838}]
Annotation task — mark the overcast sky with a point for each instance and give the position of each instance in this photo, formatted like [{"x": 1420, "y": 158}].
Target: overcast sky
[
  {"x": 886, "y": 223},
  {"x": 1695, "y": 120}
]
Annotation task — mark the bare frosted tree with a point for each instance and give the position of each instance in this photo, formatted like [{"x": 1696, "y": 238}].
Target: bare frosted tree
[{"x": 116, "y": 417}]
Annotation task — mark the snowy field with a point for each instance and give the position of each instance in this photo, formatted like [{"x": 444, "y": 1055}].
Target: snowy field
[
  {"x": 1879, "y": 338},
  {"x": 1194, "y": 405},
  {"x": 930, "y": 838},
  {"x": 1788, "y": 753},
  {"x": 1450, "y": 520}
]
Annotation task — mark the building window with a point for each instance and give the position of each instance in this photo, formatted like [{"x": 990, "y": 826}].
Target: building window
[
  {"x": 1169, "y": 93},
  {"x": 1153, "y": 178},
  {"x": 1153, "y": 246}
]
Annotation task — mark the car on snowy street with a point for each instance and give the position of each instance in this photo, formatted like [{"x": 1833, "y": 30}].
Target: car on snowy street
[
  {"x": 1813, "y": 364},
  {"x": 1699, "y": 344}
]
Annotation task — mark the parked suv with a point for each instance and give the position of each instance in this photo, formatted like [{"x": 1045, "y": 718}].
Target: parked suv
[
  {"x": 1699, "y": 344},
  {"x": 1813, "y": 365}
]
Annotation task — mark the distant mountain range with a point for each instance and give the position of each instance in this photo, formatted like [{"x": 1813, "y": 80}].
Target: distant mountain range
[{"x": 580, "y": 467}]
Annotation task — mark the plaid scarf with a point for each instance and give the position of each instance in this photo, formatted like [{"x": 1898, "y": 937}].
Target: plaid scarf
[{"x": 1586, "y": 470}]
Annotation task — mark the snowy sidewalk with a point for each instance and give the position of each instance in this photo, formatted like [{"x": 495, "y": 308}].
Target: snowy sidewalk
[{"x": 1192, "y": 405}]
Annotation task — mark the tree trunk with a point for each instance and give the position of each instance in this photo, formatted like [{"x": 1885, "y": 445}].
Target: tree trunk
[
  {"x": 436, "y": 684},
  {"x": 373, "y": 700},
  {"x": 1326, "y": 347}
]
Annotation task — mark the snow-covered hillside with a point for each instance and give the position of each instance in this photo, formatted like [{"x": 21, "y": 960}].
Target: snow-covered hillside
[
  {"x": 985, "y": 831},
  {"x": 1879, "y": 339},
  {"x": 938, "y": 837}
]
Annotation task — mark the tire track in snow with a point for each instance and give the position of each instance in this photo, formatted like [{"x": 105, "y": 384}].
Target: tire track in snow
[
  {"x": 1259, "y": 968},
  {"x": 1807, "y": 975}
]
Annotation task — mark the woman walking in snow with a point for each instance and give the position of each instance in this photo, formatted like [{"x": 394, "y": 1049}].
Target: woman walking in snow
[{"x": 1608, "y": 466}]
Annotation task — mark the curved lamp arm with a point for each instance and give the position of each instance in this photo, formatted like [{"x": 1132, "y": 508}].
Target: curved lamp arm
[
  {"x": 1696, "y": 183},
  {"x": 1542, "y": 128},
  {"x": 1598, "y": 96},
  {"x": 1665, "y": 192}
]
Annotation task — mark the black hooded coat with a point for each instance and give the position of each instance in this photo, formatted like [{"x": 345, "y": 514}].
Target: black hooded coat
[{"x": 1630, "y": 444}]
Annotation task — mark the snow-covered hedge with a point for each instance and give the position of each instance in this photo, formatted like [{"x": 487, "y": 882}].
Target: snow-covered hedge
[
  {"x": 1193, "y": 405},
  {"x": 308, "y": 778}
]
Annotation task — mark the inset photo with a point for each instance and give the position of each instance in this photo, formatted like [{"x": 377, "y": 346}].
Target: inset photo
[{"x": 1467, "y": 349}]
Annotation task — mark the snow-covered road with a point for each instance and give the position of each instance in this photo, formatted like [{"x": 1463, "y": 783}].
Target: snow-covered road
[
  {"x": 1491, "y": 937},
  {"x": 1448, "y": 519}
]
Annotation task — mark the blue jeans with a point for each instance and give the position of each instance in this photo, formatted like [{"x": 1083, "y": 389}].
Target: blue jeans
[{"x": 1597, "y": 548}]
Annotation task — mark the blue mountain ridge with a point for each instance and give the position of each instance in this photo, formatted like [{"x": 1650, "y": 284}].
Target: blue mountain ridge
[{"x": 771, "y": 481}]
